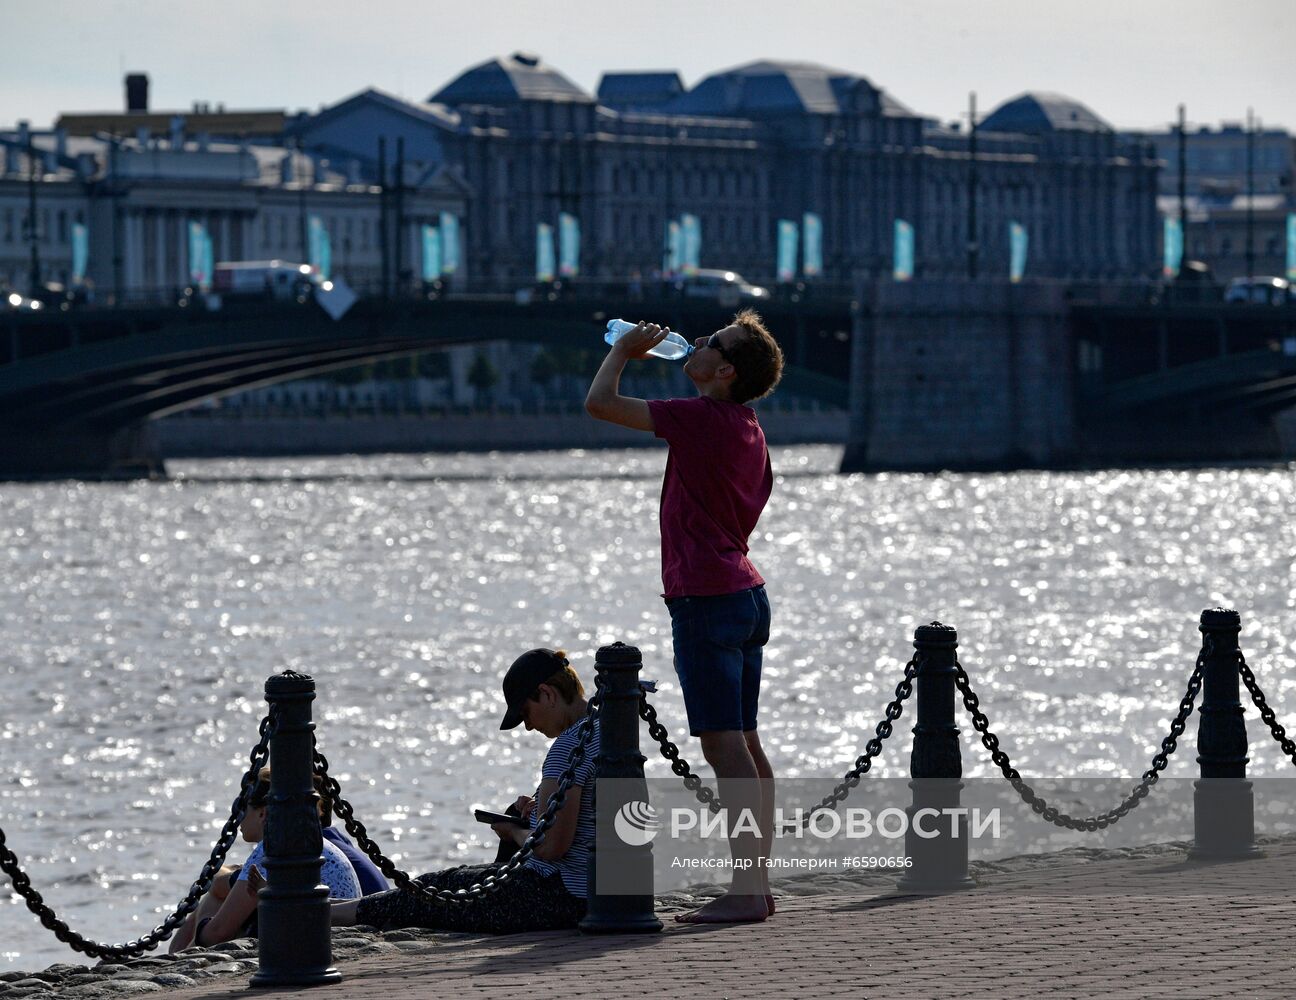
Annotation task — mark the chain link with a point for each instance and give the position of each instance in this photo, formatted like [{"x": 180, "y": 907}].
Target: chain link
[
  {"x": 874, "y": 746},
  {"x": 1266, "y": 713},
  {"x": 672, "y": 753},
  {"x": 492, "y": 881},
  {"x": 9, "y": 864},
  {"x": 852, "y": 778},
  {"x": 1051, "y": 813}
]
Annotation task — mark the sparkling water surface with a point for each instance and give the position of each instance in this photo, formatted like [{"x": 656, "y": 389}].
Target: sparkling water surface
[{"x": 139, "y": 621}]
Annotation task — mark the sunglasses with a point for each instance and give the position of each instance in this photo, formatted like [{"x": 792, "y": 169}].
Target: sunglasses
[{"x": 713, "y": 342}]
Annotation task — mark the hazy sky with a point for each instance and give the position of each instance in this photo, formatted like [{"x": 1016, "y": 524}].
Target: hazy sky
[{"x": 1131, "y": 61}]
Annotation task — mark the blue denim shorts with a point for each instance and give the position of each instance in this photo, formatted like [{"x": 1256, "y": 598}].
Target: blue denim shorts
[{"x": 718, "y": 644}]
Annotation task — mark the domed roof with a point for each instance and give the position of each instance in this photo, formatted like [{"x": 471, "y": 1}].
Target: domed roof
[
  {"x": 519, "y": 77},
  {"x": 1036, "y": 111},
  {"x": 772, "y": 87}
]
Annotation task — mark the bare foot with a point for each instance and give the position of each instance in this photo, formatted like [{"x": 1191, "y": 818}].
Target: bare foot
[
  {"x": 769, "y": 904},
  {"x": 728, "y": 909}
]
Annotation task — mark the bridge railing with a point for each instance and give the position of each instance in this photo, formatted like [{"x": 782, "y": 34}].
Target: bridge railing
[{"x": 523, "y": 290}]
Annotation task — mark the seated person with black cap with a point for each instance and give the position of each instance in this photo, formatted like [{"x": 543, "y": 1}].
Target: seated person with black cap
[{"x": 548, "y": 892}]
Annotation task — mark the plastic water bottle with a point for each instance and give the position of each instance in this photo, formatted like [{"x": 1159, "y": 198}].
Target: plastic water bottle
[{"x": 673, "y": 348}]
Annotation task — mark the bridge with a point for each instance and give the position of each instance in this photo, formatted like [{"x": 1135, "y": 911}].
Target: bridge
[
  {"x": 1186, "y": 357},
  {"x": 993, "y": 375},
  {"x": 938, "y": 375},
  {"x": 77, "y": 388}
]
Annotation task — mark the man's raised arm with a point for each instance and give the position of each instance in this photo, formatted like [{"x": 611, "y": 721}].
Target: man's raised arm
[{"x": 604, "y": 400}]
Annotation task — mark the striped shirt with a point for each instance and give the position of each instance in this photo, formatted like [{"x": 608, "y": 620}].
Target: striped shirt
[{"x": 573, "y": 865}]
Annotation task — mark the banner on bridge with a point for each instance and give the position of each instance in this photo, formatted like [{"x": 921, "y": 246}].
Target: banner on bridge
[
  {"x": 691, "y": 243},
  {"x": 200, "y": 269},
  {"x": 544, "y": 268},
  {"x": 321, "y": 249},
  {"x": 449, "y": 243},
  {"x": 902, "y": 268},
  {"x": 1173, "y": 248},
  {"x": 1017, "y": 245},
  {"x": 431, "y": 253},
  {"x": 787, "y": 249},
  {"x": 80, "y": 252},
  {"x": 811, "y": 245},
  {"x": 568, "y": 245}
]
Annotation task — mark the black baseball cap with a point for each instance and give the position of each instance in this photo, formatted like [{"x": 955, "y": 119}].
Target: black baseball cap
[{"x": 524, "y": 678}]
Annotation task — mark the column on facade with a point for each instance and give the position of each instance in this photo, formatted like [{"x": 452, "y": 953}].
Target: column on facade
[
  {"x": 133, "y": 251},
  {"x": 222, "y": 251},
  {"x": 180, "y": 232},
  {"x": 160, "y": 255}
]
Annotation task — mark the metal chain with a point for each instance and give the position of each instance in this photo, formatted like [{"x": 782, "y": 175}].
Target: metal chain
[
  {"x": 672, "y": 753},
  {"x": 1266, "y": 713},
  {"x": 1051, "y": 813},
  {"x": 9, "y": 864},
  {"x": 874, "y": 746},
  {"x": 492, "y": 881},
  {"x": 852, "y": 778}
]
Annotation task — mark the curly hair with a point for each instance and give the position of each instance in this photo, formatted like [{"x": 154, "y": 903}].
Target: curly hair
[{"x": 757, "y": 359}]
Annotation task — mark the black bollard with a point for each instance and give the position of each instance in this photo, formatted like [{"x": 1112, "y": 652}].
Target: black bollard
[
  {"x": 1223, "y": 804},
  {"x": 293, "y": 927},
  {"x": 940, "y": 862},
  {"x": 620, "y": 899}
]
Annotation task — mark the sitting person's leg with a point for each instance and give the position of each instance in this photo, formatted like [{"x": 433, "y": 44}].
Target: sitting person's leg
[
  {"x": 528, "y": 901},
  {"x": 207, "y": 907}
]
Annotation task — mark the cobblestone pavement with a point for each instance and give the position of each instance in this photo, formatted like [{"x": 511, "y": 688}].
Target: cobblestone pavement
[{"x": 1142, "y": 928}]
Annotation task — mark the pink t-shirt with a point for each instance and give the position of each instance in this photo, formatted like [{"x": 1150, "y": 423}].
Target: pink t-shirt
[{"x": 717, "y": 480}]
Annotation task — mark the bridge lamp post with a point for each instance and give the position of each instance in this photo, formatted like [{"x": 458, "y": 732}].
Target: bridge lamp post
[
  {"x": 973, "y": 249},
  {"x": 1250, "y": 193},
  {"x": 34, "y": 277}
]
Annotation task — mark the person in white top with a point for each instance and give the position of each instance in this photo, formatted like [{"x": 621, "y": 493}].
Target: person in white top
[{"x": 228, "y": 910}]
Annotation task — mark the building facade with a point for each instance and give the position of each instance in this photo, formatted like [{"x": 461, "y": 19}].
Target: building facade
[
  {"x": 1236, "y": 199},
  {"x": 138, "y": 195},
  {"x": 750, "y": 146}
]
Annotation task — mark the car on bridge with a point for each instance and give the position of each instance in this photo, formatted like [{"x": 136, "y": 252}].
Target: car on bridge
[
  {"x": 271, "y": 279},
  {"x": 725, "y": 287},
  {"x": 21, "y": 303},
  {"x": 1264, "y": 290}
]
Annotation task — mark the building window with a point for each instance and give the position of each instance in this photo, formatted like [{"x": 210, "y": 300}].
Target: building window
[
  {"x": 1226, "y": 247},
  {"x": 62, "y": 227},
  {"x": 8, "y": 225}
]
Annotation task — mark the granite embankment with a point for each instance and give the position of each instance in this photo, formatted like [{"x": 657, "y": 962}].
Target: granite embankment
[{"x": 230, "y": 437}]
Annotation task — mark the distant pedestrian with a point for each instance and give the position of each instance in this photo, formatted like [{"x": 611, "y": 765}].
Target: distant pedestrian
[{"x": 718, "y": 479}]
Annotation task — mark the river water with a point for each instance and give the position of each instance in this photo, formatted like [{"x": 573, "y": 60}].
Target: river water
[{"x": 138, "y": 623}]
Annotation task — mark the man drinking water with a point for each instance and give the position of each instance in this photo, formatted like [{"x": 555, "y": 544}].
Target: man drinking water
[{"x": 717, "y": 481}]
